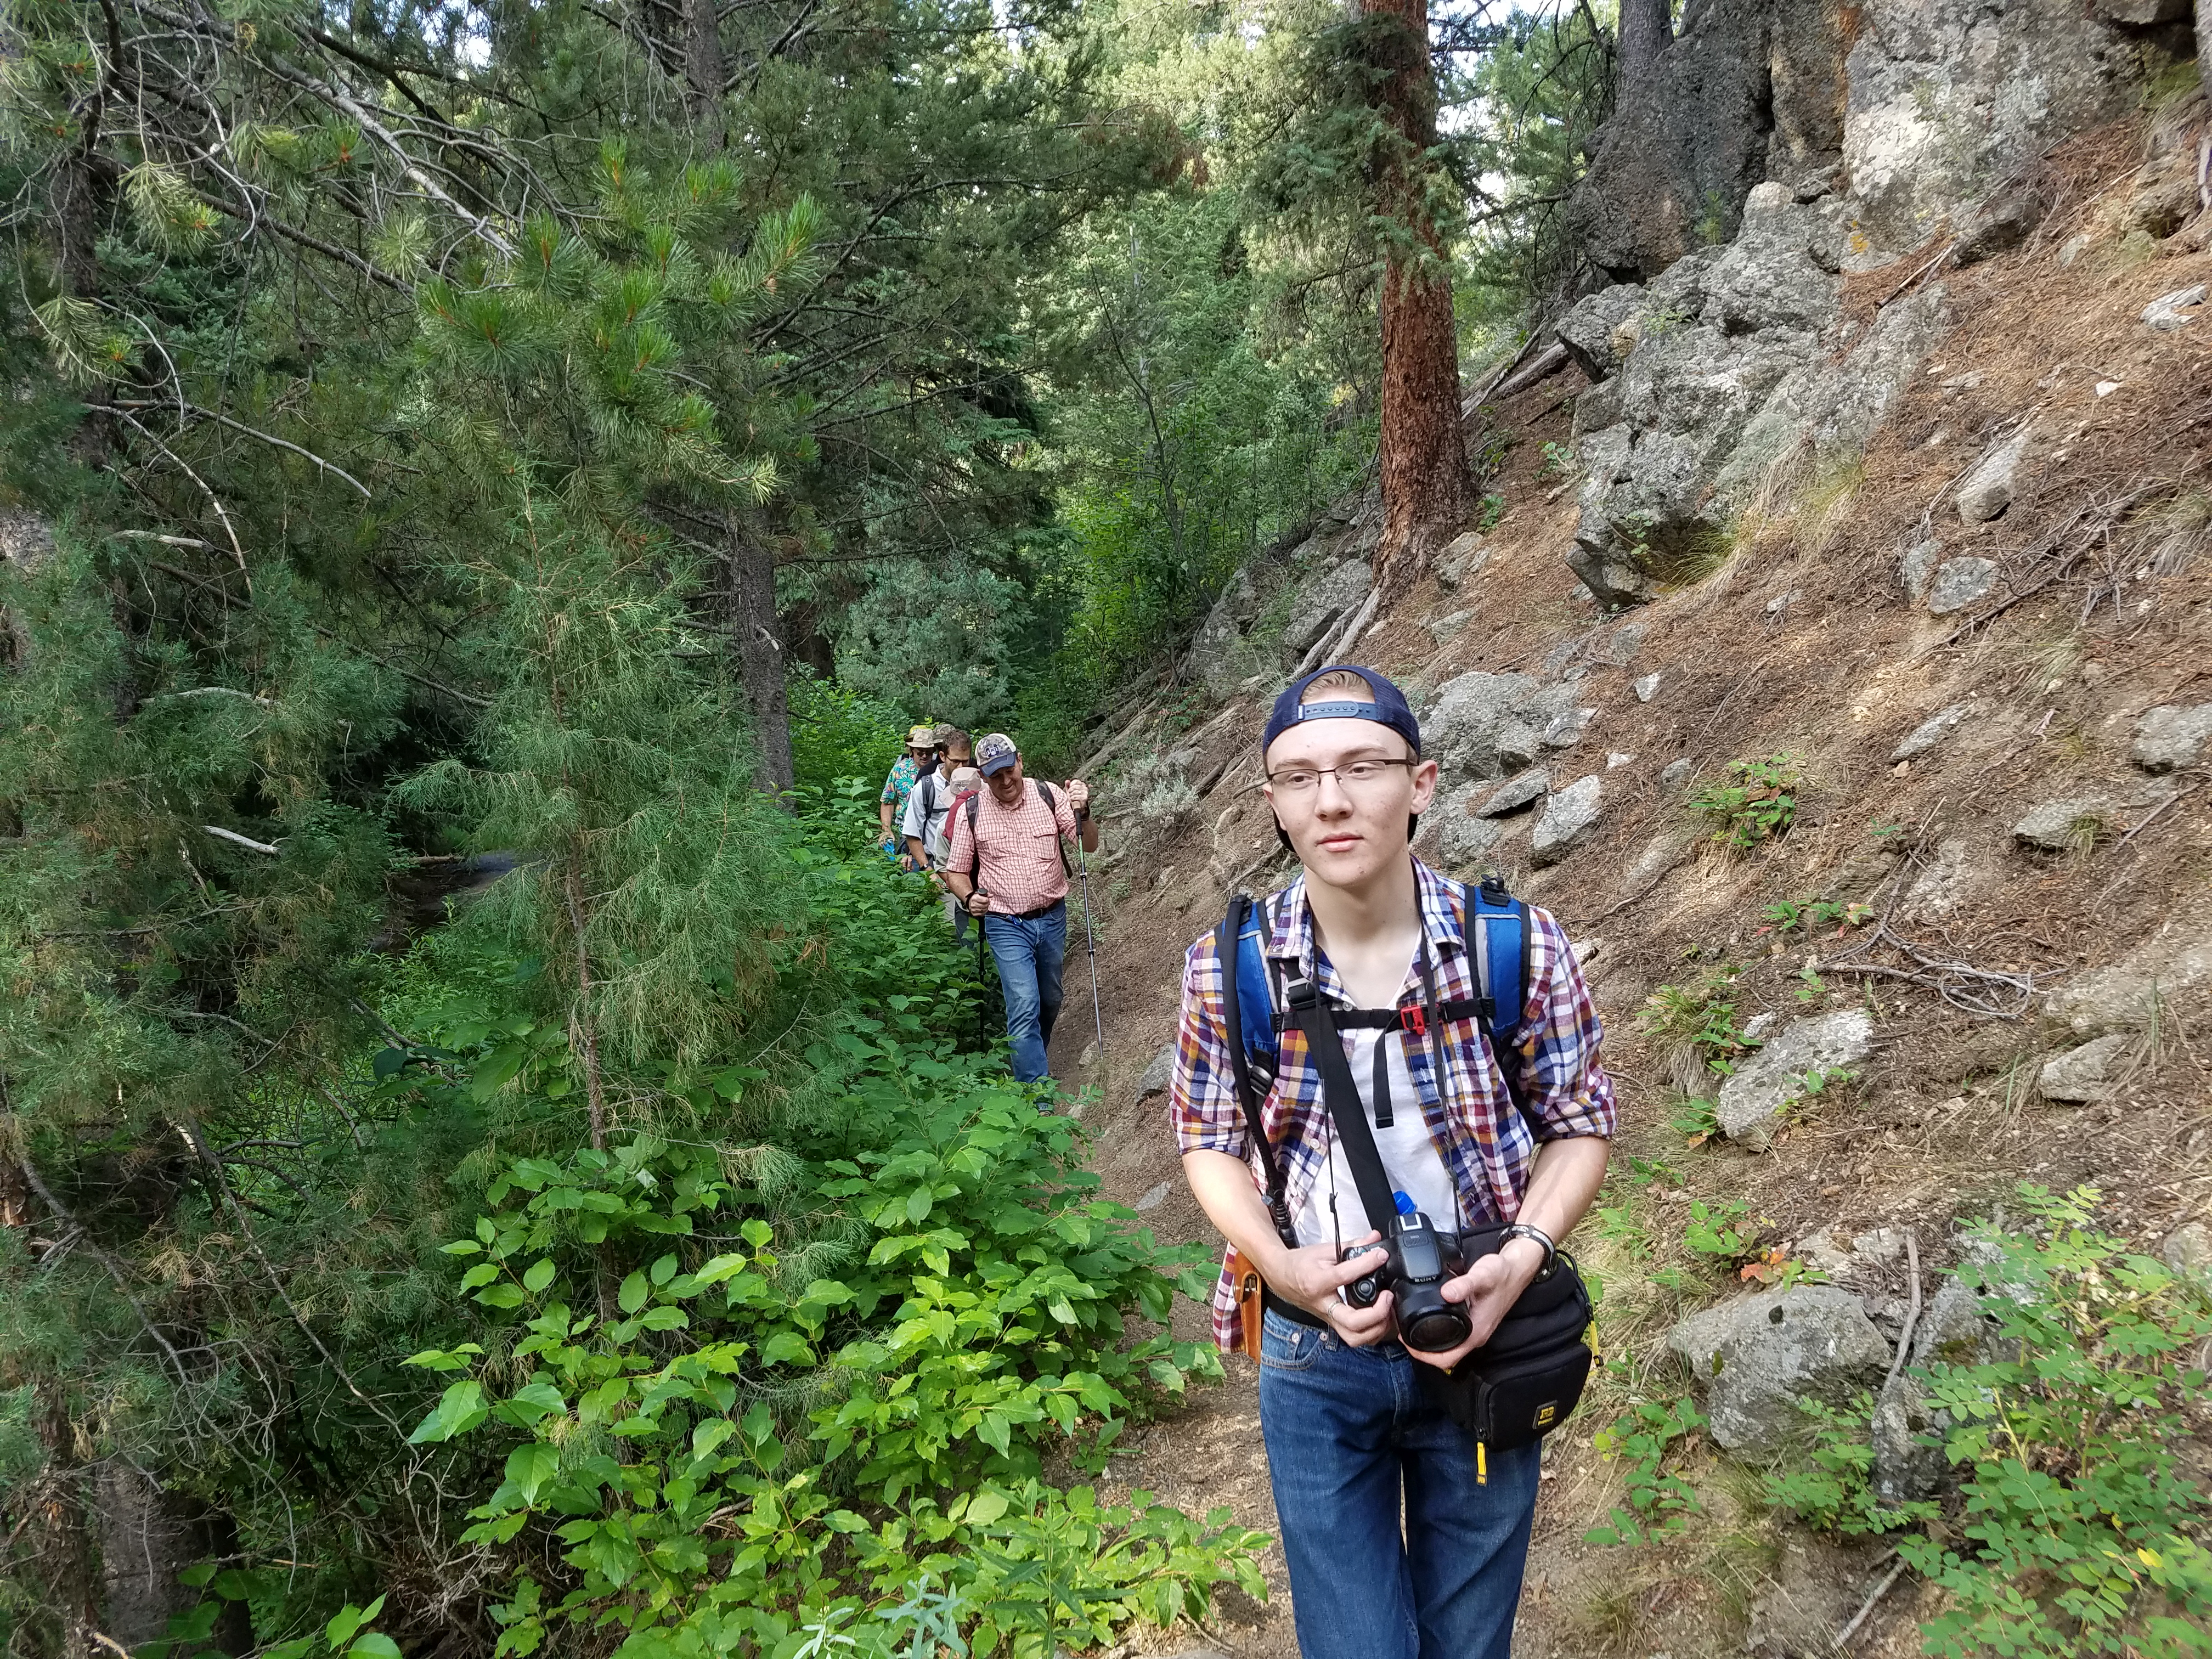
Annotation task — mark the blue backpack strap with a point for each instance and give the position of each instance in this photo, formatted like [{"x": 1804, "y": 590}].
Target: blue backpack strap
[
  {"x": 1251, "y": 1042},
  {"x": 1497, "y": 930}
]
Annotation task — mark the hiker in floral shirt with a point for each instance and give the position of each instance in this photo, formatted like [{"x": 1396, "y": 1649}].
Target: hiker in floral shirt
[{"x": 921, "y": 756}]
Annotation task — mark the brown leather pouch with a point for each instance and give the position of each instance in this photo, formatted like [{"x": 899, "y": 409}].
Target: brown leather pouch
[{"x": 1249, "y": 1288}]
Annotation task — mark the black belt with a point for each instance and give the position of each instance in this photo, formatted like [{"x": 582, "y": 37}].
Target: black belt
[
  {"x": 1042, "y": 910},
  {"x": 1291, "y": 1311}
]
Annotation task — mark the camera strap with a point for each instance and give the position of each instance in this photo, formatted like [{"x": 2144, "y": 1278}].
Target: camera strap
[{"x": 1340, "y": 1096}]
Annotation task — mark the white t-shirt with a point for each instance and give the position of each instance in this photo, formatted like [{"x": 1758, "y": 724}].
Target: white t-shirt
[
  {"x": 928, "y": 828},
  {"x": 1410, "y": 1158}
]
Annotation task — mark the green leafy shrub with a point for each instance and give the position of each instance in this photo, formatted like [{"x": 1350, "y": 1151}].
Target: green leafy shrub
[
  {"x": 1833, "y": 1490},
  {"x": 1659, "y": 1502},
  {"x": 721, "y": 1440},
  {"x": 2079, "y": 1527},
  {"x": 1756, "y": 802}
]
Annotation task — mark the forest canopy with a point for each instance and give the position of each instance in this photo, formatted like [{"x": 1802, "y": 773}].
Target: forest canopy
[{"x": 490, "y": 1157}]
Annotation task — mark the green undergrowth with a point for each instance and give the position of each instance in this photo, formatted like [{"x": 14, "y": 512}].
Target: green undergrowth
[{"x": 2075, "y": 1514}]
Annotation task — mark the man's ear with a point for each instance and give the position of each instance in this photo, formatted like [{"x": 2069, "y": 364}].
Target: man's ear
[
  {"x": 1425, "y": 785},
  {"x": 1284, "y": 837}
]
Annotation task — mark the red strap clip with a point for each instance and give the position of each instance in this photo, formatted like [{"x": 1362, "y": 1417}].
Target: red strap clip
[{"x": 1415, "y": 1020}]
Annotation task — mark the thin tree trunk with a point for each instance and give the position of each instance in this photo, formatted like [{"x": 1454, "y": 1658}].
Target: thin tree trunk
[
  {"x": 703, "y": 71},
  {"x": 760, "y": 650},
  {"x": 1646, "y": 30},
  {"x": 1428, "y": 490}
]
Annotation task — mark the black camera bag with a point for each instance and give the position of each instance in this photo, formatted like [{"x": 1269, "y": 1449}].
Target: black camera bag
[{"x": 1526, "y": 1379}]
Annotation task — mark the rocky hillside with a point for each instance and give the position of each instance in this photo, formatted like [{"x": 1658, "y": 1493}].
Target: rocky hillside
[{"x": 1836, "y": 661}]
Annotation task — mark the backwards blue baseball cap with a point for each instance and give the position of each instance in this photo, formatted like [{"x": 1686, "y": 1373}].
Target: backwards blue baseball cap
[{"x": 1389, "y": 708}]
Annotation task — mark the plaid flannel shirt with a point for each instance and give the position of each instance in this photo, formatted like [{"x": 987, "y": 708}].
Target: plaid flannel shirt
[{"x": 1486, "y": 1145}]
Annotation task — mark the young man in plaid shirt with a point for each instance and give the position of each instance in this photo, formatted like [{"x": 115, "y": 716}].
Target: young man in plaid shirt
[{"x": 1399, "y": 1544}]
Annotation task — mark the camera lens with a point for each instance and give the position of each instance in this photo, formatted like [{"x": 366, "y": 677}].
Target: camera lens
[{"x": 1434, "y": 1330}]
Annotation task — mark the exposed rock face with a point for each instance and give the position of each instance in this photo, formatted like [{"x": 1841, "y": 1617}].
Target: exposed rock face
[
  {"x": 1515, "y": 794},
  {"x": 1758, "y": 1356},
  {"x": 1325, "y": 602},
  {"x": 1483, "y": 725},
  {"x": 1722, "y": 375},
  {"x": 1568, "y": 817},
  {"x": 1945, "y": 97},
  {"x": 1751, "y": 1099},
  {"x": 2175, "y": 959}
]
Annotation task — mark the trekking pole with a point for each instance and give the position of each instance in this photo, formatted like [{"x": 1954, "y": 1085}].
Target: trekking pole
[{"x": 1090, "y": 945}]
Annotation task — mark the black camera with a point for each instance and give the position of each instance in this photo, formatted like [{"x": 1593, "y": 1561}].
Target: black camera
[{"x": 1417, "y": 1260}]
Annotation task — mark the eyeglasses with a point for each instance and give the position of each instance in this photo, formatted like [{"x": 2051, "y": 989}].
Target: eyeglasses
[{"x": 1359, "y": 774}]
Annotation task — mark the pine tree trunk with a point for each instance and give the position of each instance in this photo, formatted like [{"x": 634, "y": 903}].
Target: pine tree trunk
[
  {"x": 760, "y": 649},
  {"x": 703, "y": 72},
  {"x": 1646, "y": 30},
  {"x": 1428, "y": 490}
]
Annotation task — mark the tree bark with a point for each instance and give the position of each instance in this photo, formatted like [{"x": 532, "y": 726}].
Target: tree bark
[
  {"x": 1646, "y": 30},
  {"x": 1428, "y": 490},
  {"x": 752, "y": 577},
  {"x": 703, "y": 71}
]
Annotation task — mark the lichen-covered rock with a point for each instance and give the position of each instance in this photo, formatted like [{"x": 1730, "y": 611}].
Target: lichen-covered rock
[
  {"x": 1324, "y": 602},
  {"x": 1515, "y": 794},
  {"x": 2070, "y": 825},
  {"x": 2087, "y": 1073},
  {"x": 1591, "y": 330},
  {"x": 1960, "y": 582},
  {"x": 1752, "y": 1098},
  {"x": 1932, "y": 732},
  {"x": 2172, "y": 736},
  {"x": 1757, "y": 1357},
  {"x": 1477, "y": 716},
  {"x": 1568, "y": 819},
  {"x": 1987, "y": 490}
]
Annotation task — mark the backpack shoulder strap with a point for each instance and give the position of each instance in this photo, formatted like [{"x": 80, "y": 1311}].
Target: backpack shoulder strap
[
  {"x": 1237, "y": 949},
  {"x": 1051, "y": 805},
  {"x": 1498, "y": 927}
]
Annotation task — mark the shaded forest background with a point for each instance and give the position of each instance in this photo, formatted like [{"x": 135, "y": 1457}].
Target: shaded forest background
[{"x": 540, "y": 454}]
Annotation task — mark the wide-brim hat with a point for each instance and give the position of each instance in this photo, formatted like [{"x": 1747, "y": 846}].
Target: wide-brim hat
[{"x": 921, "y": 737}]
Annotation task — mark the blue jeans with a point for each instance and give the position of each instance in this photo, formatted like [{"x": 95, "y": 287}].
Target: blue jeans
[
  {"x": 1028, "y": 952},
  {"x": 1348, "y": 1430}
]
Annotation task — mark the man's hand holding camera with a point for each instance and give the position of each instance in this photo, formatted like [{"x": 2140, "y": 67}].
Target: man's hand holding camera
[
  {"x": 1487, "y": 1291},
  {"x": 1312, "y": 1277}
]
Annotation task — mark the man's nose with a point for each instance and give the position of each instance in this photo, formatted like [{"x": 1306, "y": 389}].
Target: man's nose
[{"x": 1330, "y": 796}]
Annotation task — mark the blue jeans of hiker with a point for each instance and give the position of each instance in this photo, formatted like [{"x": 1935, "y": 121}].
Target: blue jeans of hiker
[
  {"x": 1028, "y": 951},
  {"x": 1348, "y": 1431}
]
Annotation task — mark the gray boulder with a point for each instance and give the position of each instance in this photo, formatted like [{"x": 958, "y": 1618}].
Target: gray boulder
[
  {"x": 1592, "y": 332},
  {"x": 2188, "y": 1250},
  {"x": 1461, "y": 839},
  {"x": 1479, "y": 716},
  {"x": 1959, "y": 583},
  {"x": 1324, "y": 602},
  {"x": 2069, "y": 825},
  {"x": 2172, "y": 736},
  {"x": 2175, "y": 960},
  {"x": 1568, "y": 819},
  {"x": 1932, "y": 732},
  {"x": 1515, "y": 794},
  {"x": 1954, "y": 1329},
  {"x": 1157, "y": 1074},
  {"x": 1916, "y": 566},
  {"x": 1757, "y": 1356},
  {"x": 2089, "y": 1073},
  {"x": 2170, "y": 312},
  {"x": 1674, "y": 776},
  {"x": 1909, "y": 1464},
  {"x": 1987, "y": 490},
  {"x": 1996, "y": 224},
  {"x": 1753, "y": 1098},
  {"x": 1459, "y": 560},
  {"x": 1647, "y": 688}
]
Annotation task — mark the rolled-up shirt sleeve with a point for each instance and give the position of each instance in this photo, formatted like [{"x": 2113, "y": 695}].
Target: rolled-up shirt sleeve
[
  {"x": 1202, "y": 1103},
  {"x": 1562, "y": 1075}
]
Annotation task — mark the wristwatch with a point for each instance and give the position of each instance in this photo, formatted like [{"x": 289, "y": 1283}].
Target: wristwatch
[{"x": 1522, "y": 1230}]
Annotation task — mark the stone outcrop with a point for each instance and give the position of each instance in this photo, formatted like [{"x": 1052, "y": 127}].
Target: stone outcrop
[
  {"x": 1721, "y": 368},
  {"x": 1486, "y": 725},
  {"x": 1758, "y": 1356},
  {"x": 1754, "y": 1098}
]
